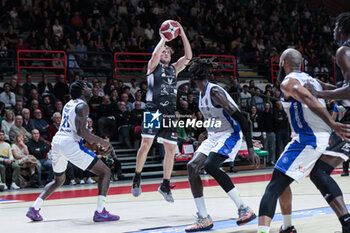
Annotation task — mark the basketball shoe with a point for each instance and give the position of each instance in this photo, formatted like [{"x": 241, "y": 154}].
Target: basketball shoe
[
  {"x": 201, "y": 224},
  {"x": 245, "y": 215},
  {"x": 166, "y": 192},
  {"x": 33, "y": 214},
  {"x": 136, "y": 186},
  {"x": 290, "y": 229},
  {"x": 105, "y": 216}
]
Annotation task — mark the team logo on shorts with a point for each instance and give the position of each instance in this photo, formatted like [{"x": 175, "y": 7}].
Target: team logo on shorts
[
  {"x": 285, "y": 160},
  {"x": 151, "y": 120}
]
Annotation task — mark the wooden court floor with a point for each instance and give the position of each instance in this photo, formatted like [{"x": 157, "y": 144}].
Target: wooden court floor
[{"x": 72, "y": 207}]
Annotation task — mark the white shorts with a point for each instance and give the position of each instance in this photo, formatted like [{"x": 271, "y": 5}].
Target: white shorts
[
  {"x": 66, "y": 149},
  {"x": 222, "y": 143},
  {"x": 297, "y": 160}
]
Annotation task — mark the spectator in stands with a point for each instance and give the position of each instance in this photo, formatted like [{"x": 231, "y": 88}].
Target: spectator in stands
[
  {"x": 181, "y": 133},
  {"x": 13, "y": 83},
  {"x": 8, "y": 97},
  {"x": 94, "y": 104},
  {"x": 184, "y": 111},
  {"x": 125, "y": 98},
  {"x": 28, "y": 85},
  {"x": 192, "y": 104},
  {"x": 7, "y": 123},
  {"x": 44, "y": 86},
  {"x": 40, "y": 124},
  {"x": 18, "y": 108},
  {"x": 25, "y": 161},
  {"x": 7, "y": 163},
  {"x": 39, "y": 149},
  {"x": 269, "y": 135},
  {"x": 133, "y": 88},
  {"x": 281, "y": 127},
  {"x": 34, "y": 95},
  {"x": 143, "y": 89},
  {"x": 123, "y": 123},
  {"x": 61, "y": 89},
  {"x": 33, "y": 107},
  {"x": 257, "y": 100},
  {"x": 106, "y": 122},
  {"x": 53, "y": 128},
  {"x": 57, "y": 29},
  {"x": 18, "y": 128},
  {"x": 58, "y": 106},
  {"x": 81, "y": 51},
  {"x": 20, "y": 96},
  {"x": 138, "y": 98},
  {"x": 256, "y": 124},
  {"x": 48, "y": 108},
  {"x": 114, "y": 96},
  {"x": 245, "y": 98},
  {"x": 28, "y": 123},
  {"x": 126, "y": 90},
  {"x": 11, "y": 37}
]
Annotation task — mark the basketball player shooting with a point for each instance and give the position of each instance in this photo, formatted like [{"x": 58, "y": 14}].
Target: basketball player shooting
[
  {"x": 161, "y": 98},
  {"x": 222, "y": 143},
  {"x": 67, "y": 145}
]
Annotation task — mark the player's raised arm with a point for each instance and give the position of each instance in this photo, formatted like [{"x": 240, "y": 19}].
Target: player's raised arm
[
  {"x": 219, "y": 99},
  {"x": 154, "y": 61},
  {"x": 82, "y": 131},
  {"x": 292, "y": 88},
  {"x": 184, "y": 60}
]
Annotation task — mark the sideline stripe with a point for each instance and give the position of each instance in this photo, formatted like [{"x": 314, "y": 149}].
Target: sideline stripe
[
  {"x": 127, "y": 189},
  {"x": 231, "y": 223}
]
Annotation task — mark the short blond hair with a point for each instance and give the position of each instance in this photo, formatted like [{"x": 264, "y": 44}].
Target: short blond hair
[{"x": 169, "y": 48}]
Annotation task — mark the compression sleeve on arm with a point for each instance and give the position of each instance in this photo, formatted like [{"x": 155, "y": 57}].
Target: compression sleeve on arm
[{"x": 238, "y": 116}]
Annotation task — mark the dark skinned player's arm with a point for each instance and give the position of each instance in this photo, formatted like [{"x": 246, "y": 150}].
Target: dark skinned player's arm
[
  {"x": 219, "y": 99},
  {"x": 343, "y": 61},
  {"x": 292, "y": 88},
  {"x": 80, "y": 124}
]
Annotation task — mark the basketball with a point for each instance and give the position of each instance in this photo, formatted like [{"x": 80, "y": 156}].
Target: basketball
[{"x": 170, "y": 29}]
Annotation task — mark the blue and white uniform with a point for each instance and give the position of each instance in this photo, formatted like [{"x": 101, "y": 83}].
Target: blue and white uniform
[
  {"x": 67, "y": 144},
  {"x": 225, "y": 140},
  {"x": 310, "y": 134}
]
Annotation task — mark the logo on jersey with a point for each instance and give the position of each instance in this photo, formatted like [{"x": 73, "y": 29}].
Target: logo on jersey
[{"x": 151, "y": 120}]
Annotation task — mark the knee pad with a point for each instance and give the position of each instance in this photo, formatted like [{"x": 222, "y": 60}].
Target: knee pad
[{"x": 320, "y": 176}]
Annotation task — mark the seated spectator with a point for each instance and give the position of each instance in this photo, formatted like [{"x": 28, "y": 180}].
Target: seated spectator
[
  {"x": 34, "y": 105},
  {"x": 90, "y": 124},
  {"x": 7, "y": 123},
  {"x": 40, "y": 124},
  {"x": 73, "y": 65},
  {"x": 94, "y": 104},
  {"x": 257, "y": 100},
  {"x": 61, "y": 89},
  {"x": 53, "y": 128},
  {"x": 184, "y": 111},
  {"x": 28, "y": 85},
  {"x": 125, "y": 98},
  {"x": 8, "y": 97},
  {"x": 48, "y": 108},
  {"x": 44, "y": 86},
  {"x": 106, "y": 122},
  {"x": 126, "y": 90},
  {"x": 245, "y": 98},
  {"x": 134, "y": 88},
  {"x": 182, "y": 136},
  {"x": 28, "y": 163},
  {"x": 28, "y": 123},
  {"x": 14, "y": 84},
  {"x": 18, "y": 128},
  {"x": 7, "y": 164},
  {"x": 58, "y": 106},
  {"x": 138, "y": 98},
  {"x": 39, "y": 149},
  {"x": 20, "y": 96},
  {"x": 123, "y": 123},
  {"x": 34, "y": 95},
  {"x": 192, "y": 104},
  {"x": 18, "y": 108},
  {"x": 114, "y": 96}
]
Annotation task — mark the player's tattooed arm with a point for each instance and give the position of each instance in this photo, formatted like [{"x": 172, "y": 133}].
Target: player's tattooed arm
[
  {"x": 82, "y": 131},
  {"x": 292, "y": 89}
]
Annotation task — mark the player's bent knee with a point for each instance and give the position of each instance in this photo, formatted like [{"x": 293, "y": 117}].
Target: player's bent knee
[{"x": 192, "y": 168}]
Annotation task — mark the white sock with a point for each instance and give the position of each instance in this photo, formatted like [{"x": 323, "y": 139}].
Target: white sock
[
  {"x": 38, "y": 203},
  {"x": 287, "y": 221},
  {"x": 202, "y": 210},
  {"x": 234, "y": 195},
  {"x": 263, "y": 229},
  {"x": 101, "y": 202}
]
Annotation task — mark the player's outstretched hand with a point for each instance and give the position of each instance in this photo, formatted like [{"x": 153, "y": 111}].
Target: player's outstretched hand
[
  {"x": 343, "y": 131},
  {"x": 181, "y": 29},
  {"x": 311, "y": 89},
  {"x": 253, "y": 158}
]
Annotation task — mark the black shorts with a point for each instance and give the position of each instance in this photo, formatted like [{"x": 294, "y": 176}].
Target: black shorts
[
  {"x": 337, "y": 147},
  {"x": 163, "y": 129}
]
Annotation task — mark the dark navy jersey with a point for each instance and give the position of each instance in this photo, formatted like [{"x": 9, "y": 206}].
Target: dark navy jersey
[
  {"x": 162, "y": 86},
  {"x": 339, "y": 75}
]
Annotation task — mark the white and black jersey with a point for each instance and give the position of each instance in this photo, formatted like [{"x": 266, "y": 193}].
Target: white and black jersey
[{"x": 162, "y": 87}]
